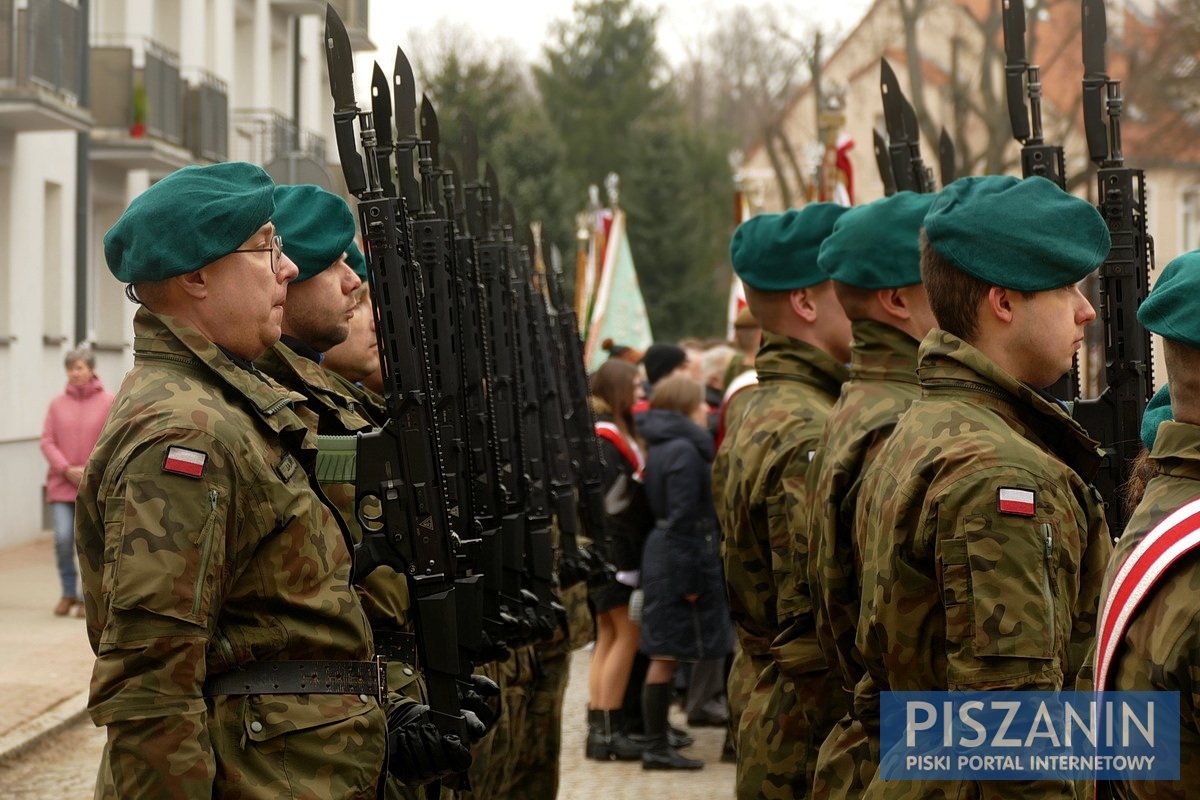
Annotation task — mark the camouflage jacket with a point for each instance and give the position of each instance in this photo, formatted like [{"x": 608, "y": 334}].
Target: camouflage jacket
[
  {"x": 204, "y": 546},
  {"x": 384, "y": 592},
  {"x": 983, "y": 545},
  {"x": 1161, "y": 648},
  {"x": 883, "y": 383},
  {"x": 762, "y": 461}
]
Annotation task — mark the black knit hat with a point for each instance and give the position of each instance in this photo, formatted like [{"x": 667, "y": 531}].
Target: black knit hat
[{"x": 661, "y": 359}]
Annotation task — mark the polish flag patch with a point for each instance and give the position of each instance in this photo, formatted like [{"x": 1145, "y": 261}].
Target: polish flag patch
[
  {"x": 1021, "y": 502},
  {"x": 183, "y": 461}
]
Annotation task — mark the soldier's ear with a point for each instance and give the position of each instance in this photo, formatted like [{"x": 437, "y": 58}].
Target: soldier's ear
[
  {"x": 999, "y": 302},
  {"x": 894, "y": 303},
  {"x": 194, "y": 284},
  {"x": 803, "y": 304}
]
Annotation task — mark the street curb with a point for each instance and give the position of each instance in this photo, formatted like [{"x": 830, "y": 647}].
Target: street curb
[{"x": 21, "y": 739}]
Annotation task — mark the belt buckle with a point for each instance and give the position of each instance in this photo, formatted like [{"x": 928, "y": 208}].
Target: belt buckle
[{"x": 380, "y": 680}]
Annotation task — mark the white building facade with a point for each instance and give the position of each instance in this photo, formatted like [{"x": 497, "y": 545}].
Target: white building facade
[{"x": 98, "y": 99}]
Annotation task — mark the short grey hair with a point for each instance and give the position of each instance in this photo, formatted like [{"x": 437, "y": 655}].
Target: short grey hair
[{"x": 81, "y": 353}]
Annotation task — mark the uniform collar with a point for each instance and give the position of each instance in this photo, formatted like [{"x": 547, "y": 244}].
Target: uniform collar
[
  {"x": 950, "y": 367},
  {"x": 784, "y": 358},
  {"x": 304, "y": 375},
  {"x": 163, "y": 336},
  {"x": 883, "y": 353},
  {"x": 1177, "y": 449},
  {"x": 301, "y": 348}
]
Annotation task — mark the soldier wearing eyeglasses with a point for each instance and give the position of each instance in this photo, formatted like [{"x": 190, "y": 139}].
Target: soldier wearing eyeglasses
[{"x": 233, "y": 657}]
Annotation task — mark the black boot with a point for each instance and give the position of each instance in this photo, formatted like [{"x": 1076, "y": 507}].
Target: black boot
[
  {"x": 656, "y": 700},
  {"x": 597, "y": 743},
  {"x": 620, "y": 746}
]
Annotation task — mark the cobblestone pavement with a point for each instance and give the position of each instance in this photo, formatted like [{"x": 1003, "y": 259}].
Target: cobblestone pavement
[{"x": 63, "y": 767}]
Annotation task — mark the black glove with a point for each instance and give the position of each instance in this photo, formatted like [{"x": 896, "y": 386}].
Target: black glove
[
  {"x": 418, "y": 752},
  {"x": 474, "y": 694}
]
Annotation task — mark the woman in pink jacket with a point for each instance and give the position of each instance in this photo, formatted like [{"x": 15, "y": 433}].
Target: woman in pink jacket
[{"x": 71, "y": 430}]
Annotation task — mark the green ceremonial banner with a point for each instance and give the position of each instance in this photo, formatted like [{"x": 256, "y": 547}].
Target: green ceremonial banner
[{"x": 618, "y": 311}]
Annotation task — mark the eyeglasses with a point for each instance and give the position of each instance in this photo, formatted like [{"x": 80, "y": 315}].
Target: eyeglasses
[{"x": 275, "y": 248}]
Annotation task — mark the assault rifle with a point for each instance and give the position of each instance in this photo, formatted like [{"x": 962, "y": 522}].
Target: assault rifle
[
  {"x": 904, "y": 136},
  {"x": 504, "y": 629},
  {"x": 1037, "y": 157},
  {"x": 502, "y": 389},
  {"x": 398, "y": 465},
  {"x": 1114, "y": 418},
  {"x": 547, "y": 369},
  {"x": 539, "y": 553},
  {"x": 580, "y": 424}
]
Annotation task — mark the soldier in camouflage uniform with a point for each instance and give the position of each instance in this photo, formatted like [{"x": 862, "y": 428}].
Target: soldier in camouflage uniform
[
  {"x": 317, "y": 229},
  {"x": 983, "y": 544},
  {"x": 1160, "y": 645},
  {"x": 874, "y": 260},
  {"x": 538, "y": 735},
  {"x": 212, "y": 564},
  {"x": 787, "y": 701}
]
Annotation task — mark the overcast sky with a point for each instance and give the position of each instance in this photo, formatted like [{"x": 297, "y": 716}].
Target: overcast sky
[{"x": 525, "y": 26}]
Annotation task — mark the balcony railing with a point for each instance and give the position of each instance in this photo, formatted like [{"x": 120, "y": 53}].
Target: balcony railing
[
  {"x": 261, "y": 136},
  {"x": 141, "y": 88},
  {"x": 207, "y": 131},
  {"x": 40, "y": 46}
]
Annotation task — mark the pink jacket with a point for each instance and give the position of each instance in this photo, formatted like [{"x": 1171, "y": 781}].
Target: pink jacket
[{"x": 71, "y": 430}]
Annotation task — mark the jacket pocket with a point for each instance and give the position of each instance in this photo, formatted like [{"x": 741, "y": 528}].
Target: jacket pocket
[
  {"x": 956, "y": 589},
  {"x": 318, "y": 745},
  {"x": 168, "y": 552},
  {"x": 1011, "y": 585}
]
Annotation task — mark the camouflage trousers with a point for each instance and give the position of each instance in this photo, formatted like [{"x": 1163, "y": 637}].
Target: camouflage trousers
[
  {"x": 494, "y": 756},
  {"x": 743, "y": 676},
  {"x": 781, "y": 731},
  {"x": 535, "y": 773},
  {"x": 847, "y": 761}
]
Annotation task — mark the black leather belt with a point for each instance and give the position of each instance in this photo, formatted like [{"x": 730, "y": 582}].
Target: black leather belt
[
  {"x": 394, "y": 645},
  {"x": 302, "y": 677}
]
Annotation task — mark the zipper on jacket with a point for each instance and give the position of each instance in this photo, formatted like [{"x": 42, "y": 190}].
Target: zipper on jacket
[
  {"x": 1048, "y": 560},
  {"x": 205, "y": 549},
  {"x": 178, "y": 359},
  {"x": 978, "y": 387}
]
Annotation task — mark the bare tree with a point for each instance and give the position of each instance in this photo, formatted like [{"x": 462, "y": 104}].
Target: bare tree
[{"x": 743, "y": 76}]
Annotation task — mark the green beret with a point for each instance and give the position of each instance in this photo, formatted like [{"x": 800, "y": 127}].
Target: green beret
[
  {"x": 1170, "y": 308},
  {"x": 358, "y": 262},
  {"x": 1157, "y": 412},
  {"x": 778, "y": 252},
  {"x": 316, "y": 225},
  {"x": 878, "y": 246},
  {"x": 188, "y": 220},
  {"x": 1028, "y": 235}
]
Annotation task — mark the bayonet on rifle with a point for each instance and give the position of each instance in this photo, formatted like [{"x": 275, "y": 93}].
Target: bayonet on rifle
[
  {"x": 1020, "y": 79},
  {"x": 946, "y": 164},
  {"x": 884, "y": 163},
  {"x": 904, "y": 137}
]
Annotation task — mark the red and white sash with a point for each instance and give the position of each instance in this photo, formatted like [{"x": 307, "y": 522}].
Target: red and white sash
[
  {"x": 1169, "y": 541},
  {"x": 630, "y": 450}
]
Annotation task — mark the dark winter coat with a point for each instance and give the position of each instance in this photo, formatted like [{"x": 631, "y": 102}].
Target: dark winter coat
[
  {"x": 681, "y": 556},
  {"x": 627, "y": 517}
]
